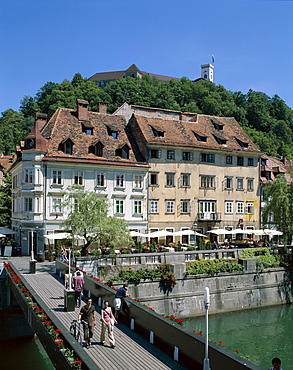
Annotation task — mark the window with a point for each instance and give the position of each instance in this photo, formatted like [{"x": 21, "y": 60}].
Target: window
[
  {"x": 157, "y": 132},
  {"x": 239, "y": 183},
  {"x": 228, "y": 183},
  {"x": 240, "y": 207},
  {"x": 68, "y": 147},
  {"x": 250, "y": 185},
  {"x": 250, "y": 162},
  {"x": 185, "y": 180},
  {"x": 56, "y": 177},
  {"x": 207, "y": 210},
  {"x": 200, "y": 137},
  {"x": 56, "y": 205},
  {"x": 137, "y": 206},
  {"x": 263, "y": 162},
  {"x": 155, "y": 153},
  {"x": 185, "y": 205},
  {"x": 154, "y": 206},
  {"x": 170, "y": 179},
  {"x": 28, "y": 175},
  {"x": 207, "y": 182},
  {"x": 229, "y": 159},
  {"x": 88, "y": 131},
  {"x": 124, "y": 152},
  {"x": 119, "y": 206},
  {"x": 138, "y": 182},
  {"x": 170, "y": 206},
  {"x": 249, "y": 208},
  {"x": 210, "y": 158},
  {"x": 228, "y": 206},
  {"x": 187, "y": 156},
  {"x": 119, "y": 180},
  {"x": 242, "y": 143},
  {"x": 170, "y": 154},
  {"x": 97, "y": 149},
  {"x": 28, "y": 204},
  {"x": 240, "y": 161},
  {"x": 153, "y": 179},
  {"x": 101, "y": 179},
  {"x": 78, "y": 178},
  {"x": 114, "y": 134},
  {"x": 218, "y": 126},
  {"x": 220, "y": 140},
  {"x": 29, "y": 143}
]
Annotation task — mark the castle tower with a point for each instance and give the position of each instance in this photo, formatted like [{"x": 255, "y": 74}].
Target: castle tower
[{"x": 207, "y": 72}]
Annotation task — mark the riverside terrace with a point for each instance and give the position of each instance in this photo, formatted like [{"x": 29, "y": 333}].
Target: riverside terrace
[{"x": 133, "y": 350}]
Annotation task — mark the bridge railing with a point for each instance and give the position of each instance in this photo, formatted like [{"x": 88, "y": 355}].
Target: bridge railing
[{"x": 56, "y": 356}]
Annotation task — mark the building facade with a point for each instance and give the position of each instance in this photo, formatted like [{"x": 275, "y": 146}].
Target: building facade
[
  {"x": 91, "y": 149},
  {"x": 204, "y": 171}
]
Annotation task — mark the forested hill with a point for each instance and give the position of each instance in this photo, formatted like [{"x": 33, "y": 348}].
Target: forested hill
[{"x": 267, "y": 120}]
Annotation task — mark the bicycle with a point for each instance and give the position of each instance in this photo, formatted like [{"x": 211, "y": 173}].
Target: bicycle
[{"x": 75, "y": 331}]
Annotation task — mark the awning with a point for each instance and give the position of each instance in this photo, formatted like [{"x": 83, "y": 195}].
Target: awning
[{"x": 6, "y": 231}]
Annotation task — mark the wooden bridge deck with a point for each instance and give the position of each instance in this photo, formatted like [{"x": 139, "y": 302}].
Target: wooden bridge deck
[{"x": 131, "y": 351}]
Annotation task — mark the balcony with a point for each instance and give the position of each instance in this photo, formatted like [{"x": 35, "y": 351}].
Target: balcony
[{"x": 209, "y": 216}]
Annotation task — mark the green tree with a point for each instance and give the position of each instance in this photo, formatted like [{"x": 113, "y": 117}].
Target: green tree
[
  {"x": 88, "y": 217},
  {"x": 278, "y": 211},
  {"x": 5, "y": 201}
]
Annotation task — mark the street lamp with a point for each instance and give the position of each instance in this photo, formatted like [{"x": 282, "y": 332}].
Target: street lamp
[
  {"x": 206, "y": 362},
  {"x": 194, "y": 228}
]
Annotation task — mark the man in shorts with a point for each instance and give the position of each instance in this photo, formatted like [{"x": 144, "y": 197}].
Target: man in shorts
[
  {"x": 118, "y": 301},
  {"x": 88, "y": 318}
]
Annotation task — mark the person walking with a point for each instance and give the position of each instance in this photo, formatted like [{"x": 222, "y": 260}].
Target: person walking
[
  {"x": 118, "y": 301},
  {"x": 108, "y": 321},
  {"x": 87, "y": 317},
  {"x": 78, "y": 283}
]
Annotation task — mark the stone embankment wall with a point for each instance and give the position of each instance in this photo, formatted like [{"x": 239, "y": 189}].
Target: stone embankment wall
[{"x": 228, "y": 291}]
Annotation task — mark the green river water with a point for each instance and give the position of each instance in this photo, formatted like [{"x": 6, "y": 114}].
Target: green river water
[{"x": 261, "y": 334}]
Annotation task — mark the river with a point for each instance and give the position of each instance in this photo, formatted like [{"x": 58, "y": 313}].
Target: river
[
  {"x": 24, "y": 353},
  {"x": 261, "y": 334}
]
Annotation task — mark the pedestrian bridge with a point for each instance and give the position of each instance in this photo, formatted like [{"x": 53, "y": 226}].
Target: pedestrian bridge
[{"x": 171, "y": 347}]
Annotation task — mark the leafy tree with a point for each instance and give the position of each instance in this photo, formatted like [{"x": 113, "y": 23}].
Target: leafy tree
[
  {"x": 5, "y": 201},
  {"x": 278, "y": 211},
  {"x": 88, "y": 217}
]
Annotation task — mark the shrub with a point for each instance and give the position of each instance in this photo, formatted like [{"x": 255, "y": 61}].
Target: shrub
[
  {"x": 153, "y": 247},
  {"x": 200, "y": 244},
  {"x": 212, "y": 267},
  {"x": 96, "y": 252}
]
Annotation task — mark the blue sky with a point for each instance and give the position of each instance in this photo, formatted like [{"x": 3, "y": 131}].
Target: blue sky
[{"x": 52, "y": 40}]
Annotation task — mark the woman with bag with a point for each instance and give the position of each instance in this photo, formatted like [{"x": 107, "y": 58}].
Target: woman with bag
[{"x": 108, "y": 321}]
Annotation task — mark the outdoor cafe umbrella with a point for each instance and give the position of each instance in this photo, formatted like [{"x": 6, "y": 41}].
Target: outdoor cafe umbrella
[
  {"x": 2, "y": 236},
  {"x": 136, "y": 233},
  {"x": 219, "y": 231},
  {"x": 6, "y": 231},
  {"x": 158, "y": 234},
  {"x": 187, "y": 232}
]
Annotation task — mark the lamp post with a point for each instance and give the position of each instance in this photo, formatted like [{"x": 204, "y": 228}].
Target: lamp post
[
  {"x": 206, "y": 362},
  {"x": 194, "y": 228}
]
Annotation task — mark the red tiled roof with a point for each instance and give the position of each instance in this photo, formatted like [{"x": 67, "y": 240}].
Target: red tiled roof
[
  {"x": 64, "y": 124},
  {"x": 181, "y": 133}
]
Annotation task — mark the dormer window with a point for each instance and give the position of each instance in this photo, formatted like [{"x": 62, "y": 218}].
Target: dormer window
[
  {"x": 242, "y": 143},
  {"x": 218, "y": 126},
  {"x": 123, "y": 152},
  {"x": 157, "y": 132},
  {"x": 200, "y": 137},
  {"x": 87, "y": 128},
  {"x": 66, "y": 146},
  {"x": 29, "y": 143},
  {"x": 220, "y": 141},
  {"x": 114, "y": 134},
  {"x": 97, "y": 149}
]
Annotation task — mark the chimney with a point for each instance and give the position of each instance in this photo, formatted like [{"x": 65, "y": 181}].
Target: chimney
[
  {"x": 102, "y": 107},
  {"x": 41, "y": 120},
  {"x": 82, "y": 110},
  {"x": 284, "y": 160}
]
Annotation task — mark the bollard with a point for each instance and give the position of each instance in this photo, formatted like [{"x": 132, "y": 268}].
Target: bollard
[
  {"x": 151, "y": 337},
  {"x": 33, "y": 266}
]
